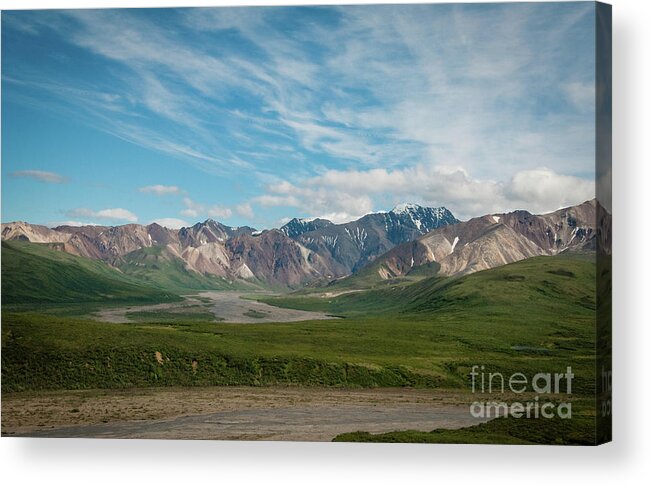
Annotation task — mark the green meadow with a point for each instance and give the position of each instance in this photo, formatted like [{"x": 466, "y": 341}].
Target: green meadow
[
  {"x": 41, "y": 275},
  {"x": 536, "y": 315},
  {"x": 155, "y": 266}
]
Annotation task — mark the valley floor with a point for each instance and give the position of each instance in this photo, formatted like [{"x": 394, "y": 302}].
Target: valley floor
[
  {"x": 219, "y": 306},
  {"x": 251, "y": 413},
  {"x": 395, "y": 367}
]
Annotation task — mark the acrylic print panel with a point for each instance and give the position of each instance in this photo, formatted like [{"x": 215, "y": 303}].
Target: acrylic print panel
[{"x": 349, "y": 223}]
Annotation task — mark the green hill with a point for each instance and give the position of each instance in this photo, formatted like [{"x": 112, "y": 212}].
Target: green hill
[
  {"x": 547, "y": 283},
  {"x": 161, "y": 268},
  {"x": 555, "y": 284},
  {"x": 38, "y": 273},
  {"x": 368, "y": 278},
  {"x": 533, "y": 316}
]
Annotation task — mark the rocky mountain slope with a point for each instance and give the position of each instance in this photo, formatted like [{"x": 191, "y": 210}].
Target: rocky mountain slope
[
  {"x": 207, "y": 248},
  {"x": 299, "y": 252},
  {"x": 494, "y": 240},
  {"x": 34, "y": 273},
  {"x": 353, "y": 245},
  {"x": 297, "y": 226},
  {"x": 305, "y": 251}
]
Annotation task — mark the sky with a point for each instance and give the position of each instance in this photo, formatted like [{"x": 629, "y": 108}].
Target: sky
[{"x": 252, "y": 116}]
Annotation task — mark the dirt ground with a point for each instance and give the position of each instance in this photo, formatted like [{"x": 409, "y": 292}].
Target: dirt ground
[
  {"x": 227, "y": 306},
  {"x": 232, "y": 308},
  {"x": 300, "y": 414}
]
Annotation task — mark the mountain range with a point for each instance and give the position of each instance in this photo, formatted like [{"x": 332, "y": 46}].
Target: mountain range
[
  {"x": 306, "y": 251},
  {"x": 495, "y": 240}
]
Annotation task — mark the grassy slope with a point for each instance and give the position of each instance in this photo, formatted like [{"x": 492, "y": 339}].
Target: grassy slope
[
  {"x": 517, "y": 317},
  {"x": 369, "y": 278},
  {"x": 524, "y": 317},
  {"x": 532, "y": 316},
  {"x": 35, "y": 274},
  {"x": 563, "y": 283},
  {"x": 162, "y": 269},
  {"x": 509, "y": 431}
]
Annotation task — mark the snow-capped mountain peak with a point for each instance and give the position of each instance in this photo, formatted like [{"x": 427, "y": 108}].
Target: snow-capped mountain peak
[
  {"x": 298, "y": 226},
  {"x": 424, "y": 219},
  {"x": 405, "y": 207}
]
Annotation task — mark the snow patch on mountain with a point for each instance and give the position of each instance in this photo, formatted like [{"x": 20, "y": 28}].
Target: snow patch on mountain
[
  {"x": 330, "y": 241},
  {"x": 423, "y": 219},
  {"x": 358, "y": 235},
  {"x": 454, "y": 244},
  {"x": 404, "y": 208},
  {"x": 299, "y": 226}
]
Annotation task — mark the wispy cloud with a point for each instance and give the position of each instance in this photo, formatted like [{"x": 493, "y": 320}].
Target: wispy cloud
[
  {"x": 171, "y": 222},
  {"x": 219, "y": 212},
  {"x": 195, "y": 209},
  {"x": 192, "y": 209},
  {"x": 582, "y": 95},
  {"x": 70, "y": 223},
  {"x": 342, "y": 196},
  {"x": 387, "y": 98},
  {"x": 245, "y": 210},
  {"x": 116, "y": 214},
  {"x": 321, "y": 98},
  {"x": 160, "y": 190},
  {"x": 41, "y": 176}
]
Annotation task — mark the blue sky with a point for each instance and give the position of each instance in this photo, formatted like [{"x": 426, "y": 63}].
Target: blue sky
[{"x": 255, "y": 115}]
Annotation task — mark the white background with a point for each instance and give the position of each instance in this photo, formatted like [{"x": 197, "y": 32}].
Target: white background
[{"x": 625, "y": 460}]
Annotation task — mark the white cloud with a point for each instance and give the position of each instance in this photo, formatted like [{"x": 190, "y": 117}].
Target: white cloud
[
  {"x": 581, "y": 94},
  {"x": 319, "y": 197},
  {"x": 346, "y": 195},
  {"x": 267, "y": 200},
  {"x": 245, "y": 210},
  {"x": 160, "y": 189},
  {"x": 543, "y": 190},
  {"x": 70, "y": 223},
  {"x": 422, "y": 100},
  {"x": 219, "y": 212},
  {"x": 171, "y": 222},
  {"x": 190, "y": 213},
  {"x": 41, "y": 176},
  {"x": 116, "y": 214},
  {"x": 194, "y": 209}
]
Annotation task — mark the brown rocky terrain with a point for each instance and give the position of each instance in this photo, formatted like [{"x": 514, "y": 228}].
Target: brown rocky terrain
[
  {"x": 396, "y": 242},
  {"x": 494, "y": 240},
  {"x": 300, "y": 252}
]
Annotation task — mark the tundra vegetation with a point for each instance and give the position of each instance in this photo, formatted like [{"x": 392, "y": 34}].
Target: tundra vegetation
[{"x": 424, "y": 331}]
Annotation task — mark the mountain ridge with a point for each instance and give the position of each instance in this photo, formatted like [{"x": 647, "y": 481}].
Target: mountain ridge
[
  {"x": 494, "y": 240},
  {"x": 354, "y": 244},
  {"x": 45, "y": 274},
  {"x": 304, "y": 251},
  {"x": 276, "y": 257}
]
